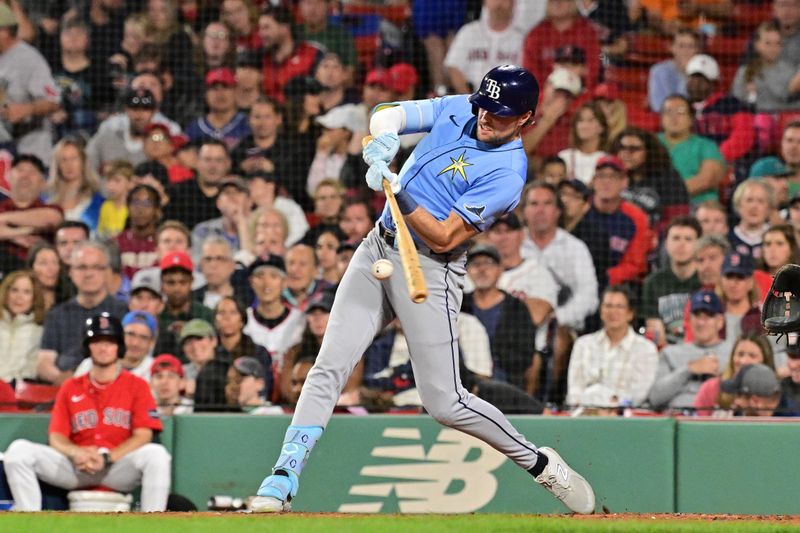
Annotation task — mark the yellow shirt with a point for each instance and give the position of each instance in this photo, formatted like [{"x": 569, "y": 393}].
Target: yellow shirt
[{"x": 112, "y": 219}]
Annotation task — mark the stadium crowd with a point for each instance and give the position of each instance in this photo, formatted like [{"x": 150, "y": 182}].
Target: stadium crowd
[{"x": 194, "y": 169}]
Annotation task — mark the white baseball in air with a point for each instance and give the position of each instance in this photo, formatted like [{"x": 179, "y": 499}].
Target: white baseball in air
[{"x": 382, "y": 268}]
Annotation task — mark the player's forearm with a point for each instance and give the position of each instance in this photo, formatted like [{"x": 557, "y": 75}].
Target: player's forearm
[
  {"x": 441, "y": 236},
  {"x": 62, "y": 444},
  {"x": 140, "y": 437}
]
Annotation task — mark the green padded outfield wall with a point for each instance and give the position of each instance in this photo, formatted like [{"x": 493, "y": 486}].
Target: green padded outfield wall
[
  {"x": 738, "y": 467},
  {"x": 412, "y": 464}
]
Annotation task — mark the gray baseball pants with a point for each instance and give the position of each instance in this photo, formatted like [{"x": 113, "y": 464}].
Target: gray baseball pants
[{"x": 364, "y": 305}]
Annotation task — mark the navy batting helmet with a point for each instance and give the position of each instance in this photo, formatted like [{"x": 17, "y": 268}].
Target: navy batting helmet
[
  {"x": 104, "y": 326},
  {"x": 507, "y": 91}
]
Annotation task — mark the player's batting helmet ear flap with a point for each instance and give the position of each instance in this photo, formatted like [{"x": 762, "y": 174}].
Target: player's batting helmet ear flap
[
  {"x": 507, "y": 91},
  {"x": 104, "y": 326}
]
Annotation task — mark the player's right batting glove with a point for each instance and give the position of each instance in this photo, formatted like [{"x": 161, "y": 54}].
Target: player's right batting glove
[
  {"x": 382, "y": 148},
  {"x": 377, "y": 172}
]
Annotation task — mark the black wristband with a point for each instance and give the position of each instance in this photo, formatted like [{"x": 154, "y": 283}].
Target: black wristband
[{"x": 107, "y": 460}]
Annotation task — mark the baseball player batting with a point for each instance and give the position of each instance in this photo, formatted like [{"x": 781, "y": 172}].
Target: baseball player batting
[{"x": 467, "y": 172}]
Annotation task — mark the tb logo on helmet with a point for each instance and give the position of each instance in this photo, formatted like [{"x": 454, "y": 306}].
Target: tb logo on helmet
[{"x": 492, "y": 89}]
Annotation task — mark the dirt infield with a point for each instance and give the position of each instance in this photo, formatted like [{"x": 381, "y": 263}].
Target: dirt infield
[{"x": 666, "y": 517}]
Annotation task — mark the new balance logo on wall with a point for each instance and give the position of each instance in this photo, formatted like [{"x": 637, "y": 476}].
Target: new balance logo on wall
[{"x": 455, "y": 476}]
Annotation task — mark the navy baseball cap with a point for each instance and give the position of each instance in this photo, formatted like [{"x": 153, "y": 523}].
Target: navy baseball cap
[
  {"x": 509, "y": 219},
  {"x": 758, "y": 380},
  {"x": 738, "y": 265},
  {"x": 483, "y": 249},
  {"x": 273, "y": 261},
  {"x": 249, "y": 366},
  {"x": 578, "y": 186},
  {"x": 322, "y": 301},
  {"x": 706, "y": 301}
]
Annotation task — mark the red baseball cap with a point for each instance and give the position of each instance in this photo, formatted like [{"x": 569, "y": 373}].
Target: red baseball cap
[
  {"x": 606, "y": 91},
  {"x": 176, "y": 260},
  {"x": 380, "y": 76},
  {"x": 610, "y": 161},
  {"x": 404, "y": 77},
  {"x": 222, "y": 76},
  {"x": 166, "y": 361}
]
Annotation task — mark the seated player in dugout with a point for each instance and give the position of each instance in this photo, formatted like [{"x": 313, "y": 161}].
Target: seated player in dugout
[{"x": 467, "y": 172}]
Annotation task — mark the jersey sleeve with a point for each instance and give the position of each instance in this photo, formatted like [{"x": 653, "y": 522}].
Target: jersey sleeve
[
  {"x": 59, "y": 417},
  {"x": 420, "y": 114},
  {"x": 145, "y": 414},
  {"x": 41, "y": 84},
  {"x": 490, "y": 197}
]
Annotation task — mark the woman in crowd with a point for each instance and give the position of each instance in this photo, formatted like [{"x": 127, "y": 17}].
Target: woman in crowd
[
  {"x": 241, "y": 16},
  {"x": 46, "y": 268},
  {"x": 739, "y": 294},
  {"x": 229, "y": 320},
  {"x": 217, "y": 49},
  {"x": 754, "y": 202},
  {"x": 73, "y": 185},
  {"x": 749, "y": 349},
  {"x": 326, "y": 246},
  {"x": 21, "y": 316},
  {"x": 588, "y": 137},
  {"x": 779, "y": 247},
  {"x": 268, "y": 231},
  {"x": 653, "y": 184}
]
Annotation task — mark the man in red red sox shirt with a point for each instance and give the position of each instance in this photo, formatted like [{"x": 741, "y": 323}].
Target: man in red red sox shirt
[{"x": 100, "y": 432}]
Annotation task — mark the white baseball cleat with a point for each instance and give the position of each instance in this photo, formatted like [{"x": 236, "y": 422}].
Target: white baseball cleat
[
  {"x": 274, "y": 495},
  {"x": 268, "y": 504},
  {"x": 566, "y": 484}
]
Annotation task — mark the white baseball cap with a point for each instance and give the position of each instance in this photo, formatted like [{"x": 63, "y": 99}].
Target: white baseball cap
[
  {"x": 565, "y": 80},
  {"x": 704, "y": 65},
  {"x": 347, "y": 116}
]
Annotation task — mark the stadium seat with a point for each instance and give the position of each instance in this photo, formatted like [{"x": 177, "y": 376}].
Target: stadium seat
[
  {"x": 627, "y": 79},
  {"x": 35, "y": 395}
]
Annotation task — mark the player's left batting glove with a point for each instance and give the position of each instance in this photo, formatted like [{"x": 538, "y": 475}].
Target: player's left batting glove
[
  {"x": 377, "y": 172},
  {"x": 382, "y": 148}
]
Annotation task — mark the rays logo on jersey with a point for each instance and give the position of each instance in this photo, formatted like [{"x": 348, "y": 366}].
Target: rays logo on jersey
[
  {"x": 476, "y": 210},
  {"x": 457, "y": 167}
]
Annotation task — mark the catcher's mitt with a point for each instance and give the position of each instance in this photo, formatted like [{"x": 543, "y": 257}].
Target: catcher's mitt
[{"x": 781, "y": 311}]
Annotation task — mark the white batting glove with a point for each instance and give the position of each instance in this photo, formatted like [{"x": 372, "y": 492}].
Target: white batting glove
[
  {"x": 382, "y": 148},
  {"x": 377, "y": 172}
]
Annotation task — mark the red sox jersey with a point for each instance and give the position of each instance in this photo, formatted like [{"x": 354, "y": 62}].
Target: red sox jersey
[{"x": 90, "y": 416}]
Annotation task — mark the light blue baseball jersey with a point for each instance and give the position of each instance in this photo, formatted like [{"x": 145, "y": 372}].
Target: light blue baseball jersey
[{"x": 450, "y": 170}]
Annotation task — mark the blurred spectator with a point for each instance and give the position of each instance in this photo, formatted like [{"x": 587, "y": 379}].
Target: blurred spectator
[
  {"x": 46, "y": 269},
  {"x": 627, "y": 225},
  {"x": 285, "y": 55},
  {"x": 303, "y": 105},
  {"x": 749, "y": 349},
  {"x": 300, "y": 371},
  {"x": 171, "y": 236},
  {"x": 483, "y": 44},
  {"x": 667, "y": 290},
  {"x": 786, "y": 14},
  {"x": 80, "y": 81},
  {"x": 740, "y": 296},
  {"x": 334, "y": 78},
  {"x": 754, "y": 202},
  {"x": 206, "y": 370},
  {"x": 268, "y": 234},
  {"x": 566, "y": 257},
  {"x": 790, "y": 385},
  {"x": 613, "y": 366},
  {"x": 388, "y": 375},
  {"x": 573, "y": 59},
  {"x": 779, "y": 248},
  {"x": 767, "y": 81},
  {"x": 713, "y": 218},
  {"x": 217, "y": 266},
  {"x": 302, "y": 283},
  {"x": 114, "y": 210},
  {"x": 137, "y": 243},
  {"x": 264, "y": 195},
  {"x": 553, "y": 171},
  {"x": 527, "y": 279},
  {"x": 334, "y": 144},
  {"x": 588, "y": 138},
  {"x": 794, "y": 215},
  {"x": 344, "y": 254},
  {"x": 263, "y": 150},
  {"x": 325, "y": 249},
  {"x": 141, "y": 330},
  {"x": 179, "y": 307},
  {"x": 146, "y": 294},
  {"x": 165, "y": 30},
  {"x": 229, "y": 320},
  {"x": 69, "y": 234},
  {"x": 653, "y": 184},
  {"x": 217, "y": 49},
  {"x": 241, "y": 16},
  {"x": 153, "y": 82},
  {"x": 357, "y": 219},
  {"x": 22, "y": 313},
  {"x": 506, "y": 319},
  {"x": 613, "y": 106},
  {"x": 719, "y": 116},
  {"x": 194, "y": 201},
  {"x": 117, "y": 284},
  {"x": 24, "y": 219},
  {"x": 73, "y": 185},
  {"x": 684, "y": 367},
  {"x": 160, "y": 149},
  {"x": 223, "y": 122},
  {"x": 233, "y": 201},
  {"x": 62, "y": 340},
  {"x": 697, "y": 159},
  {"x": 167, "y": 384},
  {"x": 121, "y": 135},
  {"x": 318, "y": 29},
  {"x": 667, "y": 16},
  {"x": 435, "y": 23},
  {"x": 328, "y": 200},
  {"x": 30, "y": 94},
  {"x": 550, "y": 132},
  {"x": 772, "y": 171},
  {"x": 563, "y": 26},
  {"x": 757, "y": 392},
  {"x": 612, "y": 20},
  {"x": 248, "y": 386},
  {"x": 709, "y": 254},
  {"x": 271, "y": 323},
  {"x": 249, "y": 80},
  {"x": 790, "y": 153},
  {"x": 669, "y": 76}
]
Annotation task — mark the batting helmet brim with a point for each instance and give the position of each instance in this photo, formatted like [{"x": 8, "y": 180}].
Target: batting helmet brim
[{"x": 492, "y": 106}]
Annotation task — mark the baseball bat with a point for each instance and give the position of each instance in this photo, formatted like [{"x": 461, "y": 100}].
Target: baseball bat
[{"x": 415, "y": 280}]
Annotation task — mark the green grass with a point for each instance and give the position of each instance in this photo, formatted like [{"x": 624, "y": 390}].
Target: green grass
[{"x": 298, "y": 523}]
